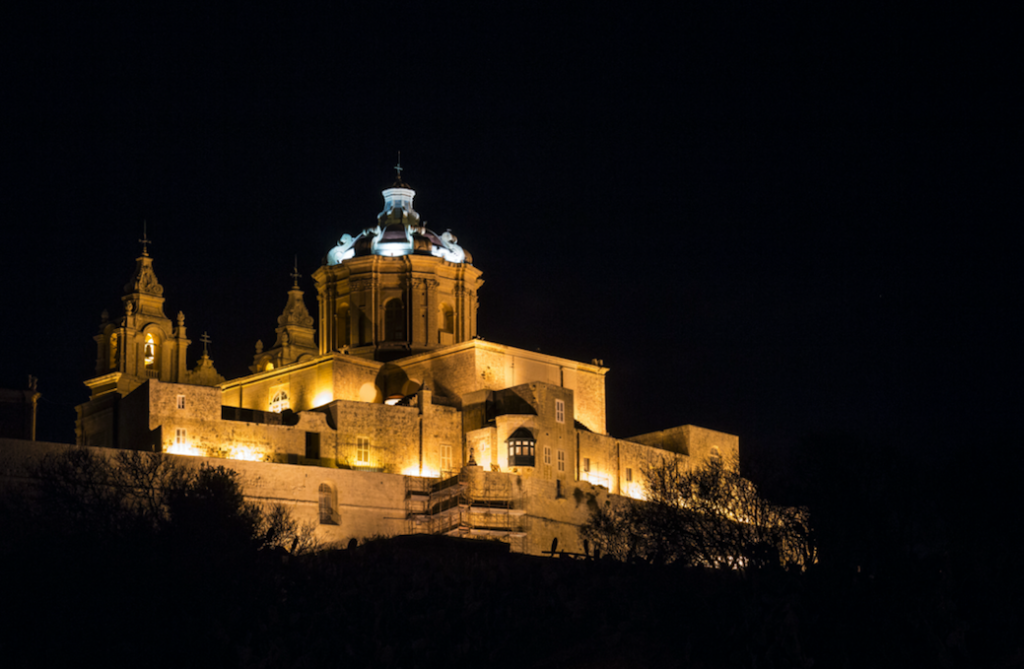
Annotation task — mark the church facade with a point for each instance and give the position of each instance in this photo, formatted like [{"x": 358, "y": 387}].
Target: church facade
[{"x": 386, "y": 414}]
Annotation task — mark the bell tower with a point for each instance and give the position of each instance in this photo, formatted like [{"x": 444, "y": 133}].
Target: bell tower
[
  {"x": 396, "y": 288},
  {"x": 143, "y": 344}
]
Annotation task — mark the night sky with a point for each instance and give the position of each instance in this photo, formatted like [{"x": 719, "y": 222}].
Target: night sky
[{"x": 767, "y": 222}]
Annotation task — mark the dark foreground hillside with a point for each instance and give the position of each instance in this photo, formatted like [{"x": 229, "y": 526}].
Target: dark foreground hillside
[{"x": 431, "y": 601}]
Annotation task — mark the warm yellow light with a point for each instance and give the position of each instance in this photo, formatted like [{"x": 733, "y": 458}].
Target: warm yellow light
[
  {"x": 183, "y": 449},
  {"x": 634, "y": 490},
  {"x": 322, "y": 398},
  {"x": 246, "y": 453},
  {"x": 414, "y": 470},
  {"x": 150, "y": 349}
]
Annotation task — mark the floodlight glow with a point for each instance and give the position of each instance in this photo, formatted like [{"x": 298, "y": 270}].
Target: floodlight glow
[
  {"x": 425, "y": 472},
  {"x": 323, "y": 397},
  {"x": 398, "y": 197},
  {"x": 183, "y": 449},
  {"x": 247, "y": 453}
]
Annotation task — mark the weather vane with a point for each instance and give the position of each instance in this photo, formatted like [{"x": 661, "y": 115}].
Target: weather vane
[
  {"x": 145, "y": 241},
  {"x": 295, "y": 272}
]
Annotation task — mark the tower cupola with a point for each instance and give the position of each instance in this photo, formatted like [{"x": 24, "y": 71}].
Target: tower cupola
[{"x": 399, "y": 232}]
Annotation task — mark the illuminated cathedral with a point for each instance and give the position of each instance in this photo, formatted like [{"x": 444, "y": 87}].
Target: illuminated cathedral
[{"x": 385, "y": 414}]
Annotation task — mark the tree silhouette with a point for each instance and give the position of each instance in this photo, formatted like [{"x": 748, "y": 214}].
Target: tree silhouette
[
  {"x": 706, "y": 516},
  {"x": 132, "y": 496}
]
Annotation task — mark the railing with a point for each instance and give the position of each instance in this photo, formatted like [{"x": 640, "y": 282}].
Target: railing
[
  {"x": 251, "y": 415},
  {"x": 491, "y": 521}
]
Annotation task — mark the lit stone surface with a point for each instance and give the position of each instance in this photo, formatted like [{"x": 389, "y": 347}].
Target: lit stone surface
[{"x": 382, "y": 395}]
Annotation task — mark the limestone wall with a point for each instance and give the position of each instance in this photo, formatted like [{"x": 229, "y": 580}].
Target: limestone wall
[
  {"x": 698, "y": 443},
  {"x": 549, "y": 509},
  {"x": 476, "y": 365},
  {"x": 590, "y": 400},
  {"x": 308, "y": 384},
  {"x": 601, "y": 455},
  {"x": 301, "y": 382},
  {"x": 400, "y": 438},
  {"x": 368, "y": 504}
]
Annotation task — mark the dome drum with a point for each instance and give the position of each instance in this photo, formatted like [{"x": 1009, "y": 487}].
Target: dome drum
[{"x": 396, "y": 288}]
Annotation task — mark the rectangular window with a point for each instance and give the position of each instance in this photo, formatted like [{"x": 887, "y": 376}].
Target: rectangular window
[
  {"x": 586, "y": 465},
  {"x": 561, "y": 461},
  {"x": 560, "y": 411},
  {"x": 180, "y": 436},
  {"x": 181, "y": 401},
  {"x": 362, "y": 449},
  {"x": 313, "y": 445},
  {"x": 547, "y": 455},
  {"x": 629, "y": 474},
  {"x": 446, "y": 457}
]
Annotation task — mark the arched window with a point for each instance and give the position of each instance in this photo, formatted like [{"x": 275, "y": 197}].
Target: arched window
[
  {"x": 279, "y": 401},
  {"x": 150, "y": 350},
  {"x": 447, "y": 319},
  {"x": 365, "y": 327},
  {"x": 521, "y": 448},
  {"x": 328, "y": 506},
  {"x": 394, "y": 320}
]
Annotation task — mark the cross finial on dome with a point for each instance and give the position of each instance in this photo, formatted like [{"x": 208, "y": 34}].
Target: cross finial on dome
[
  {"x": 295, "y": 272},
  {"x": 206, "y": 342},
  {"x": 145, "y": 241},
  {"x": 398, "y": 174}
]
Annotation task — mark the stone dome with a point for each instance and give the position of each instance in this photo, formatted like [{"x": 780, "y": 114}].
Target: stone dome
[{"x": 399, "y": 232}]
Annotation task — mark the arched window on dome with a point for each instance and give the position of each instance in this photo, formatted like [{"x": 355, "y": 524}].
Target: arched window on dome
[
  {"x": 446, "y": 318},
  {"x": 279, "y": 401},
  {"x": 328, "y": 505},
  {"x": 521, "y": 448},
  {"x": 394, "y": 320}
]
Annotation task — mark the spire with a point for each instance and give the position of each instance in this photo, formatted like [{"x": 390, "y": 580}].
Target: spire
[
  {"x": 144, "y": 281},
  {"x": 204, "y": 374},
  {"x": 143, "y": 291},
  {"x": 145, "y": 241},
  {"x": 295, "y": 312},
  {"x": 295, "y": 333}
]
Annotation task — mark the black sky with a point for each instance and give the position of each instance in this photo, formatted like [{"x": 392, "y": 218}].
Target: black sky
[{"x": 768, "y": 222}]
